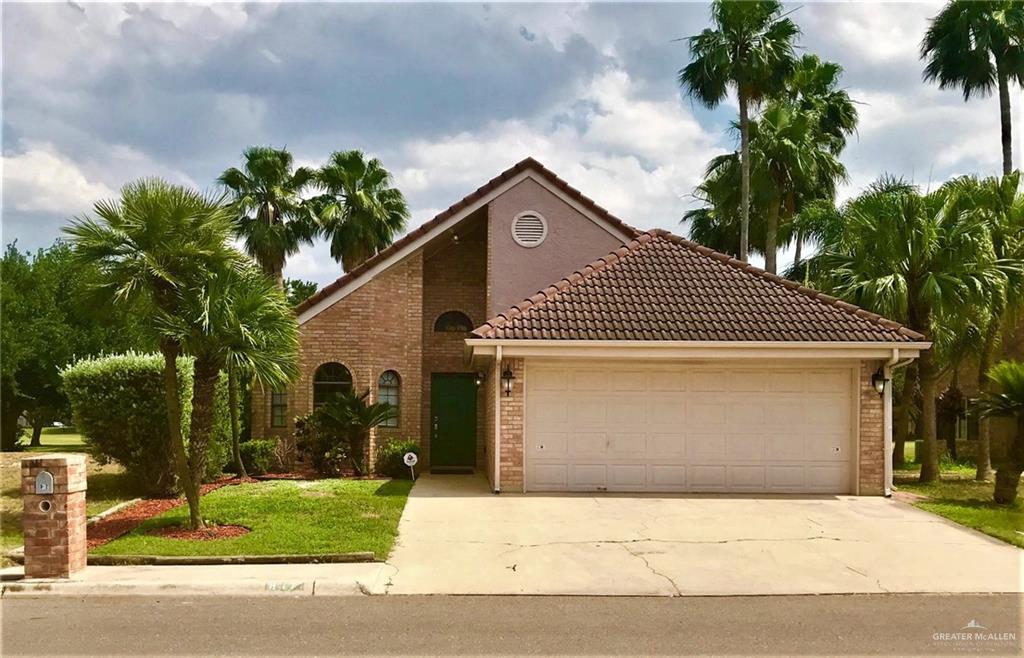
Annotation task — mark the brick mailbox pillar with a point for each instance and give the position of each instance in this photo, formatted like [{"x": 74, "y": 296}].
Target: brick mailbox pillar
[{"x": 53, "y": 494}]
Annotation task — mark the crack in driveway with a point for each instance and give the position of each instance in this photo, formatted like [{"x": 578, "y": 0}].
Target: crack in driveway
[{"x": 678, "y": 592}]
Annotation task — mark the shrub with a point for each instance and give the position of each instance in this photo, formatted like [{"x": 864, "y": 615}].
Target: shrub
[
  {"x": 327, "y": 452},
  {"x": 257, "y": 455},
  {"x": 389, "y": 457},
  {"x": 119, "y": 407}
]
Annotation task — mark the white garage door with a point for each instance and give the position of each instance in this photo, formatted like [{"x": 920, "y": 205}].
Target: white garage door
[{"x": 607, "y": 426}]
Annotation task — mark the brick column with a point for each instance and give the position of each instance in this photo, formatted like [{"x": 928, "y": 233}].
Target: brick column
[{"x": 54, "y": 523}]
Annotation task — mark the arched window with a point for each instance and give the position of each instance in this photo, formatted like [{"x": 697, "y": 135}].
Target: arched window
[
  {"x": 330, "y": 380},
  {"x": 453, "y": 322},
  {"x": 389, "y": 391}
]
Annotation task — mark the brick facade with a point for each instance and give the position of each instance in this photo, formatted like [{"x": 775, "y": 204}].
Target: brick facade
[
  {"x": 871, "y": 447},
  {"x": 454, "y": 279},
  {"x": 54, "y": 523},
  {"x": 511, "y": 409},
  {"x": 374, "y": 329}
]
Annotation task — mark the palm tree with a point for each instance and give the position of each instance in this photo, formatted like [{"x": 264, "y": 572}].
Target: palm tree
[
  {"x": 999, "y": 203},
  {"x": 154, "y": 247},
  {"x": 750, "y": 50},
  {"x": 242, "y": 322},
  {"x": 272, "y": 219},
  {"x": 814, "y": 86},
  {"x": 791, "y": 162},
  {"x": 360, "y": 212},
  {"x": 1008, "y": 377},
  {"x": 349, "y": 417},
  {"x": 977, "y": 46},
  {"x": 911, "y": 257}
]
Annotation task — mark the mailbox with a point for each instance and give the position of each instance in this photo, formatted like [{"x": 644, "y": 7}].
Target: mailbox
[{"x": 44, "y": 482}]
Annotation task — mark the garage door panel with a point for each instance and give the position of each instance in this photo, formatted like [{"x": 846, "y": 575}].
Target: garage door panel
[
  {"x": 744, "y": 447},
  {"x": 588, "y": 412},
  {"x": 745, "y": 478},
  {"x": 786, "y": 478},
  {"x": 663, "y": 410},
  {"x": 588, "y": 444},
  {"x": 627, "y": 477},
  {"x": 705, "y": 447},
  {"x": 630, "y": 380},
  {"x": 782, "y": 447},
  {"x": 745, "y": 415},
  {"x": 588, "y": 476},
  {"x": 624, "y": 427},
  {"x": 667, "y": 477},
  {"x": 707, "y": 477},
  {"x": 627, "y": 445},
  {"x": 549, "y": 477},
  {"x": 666, "y": 446},
  {"x": 550, "y": 411},
  {"x": 703, "y": 413},
  {"x": 548, "y": 444}
]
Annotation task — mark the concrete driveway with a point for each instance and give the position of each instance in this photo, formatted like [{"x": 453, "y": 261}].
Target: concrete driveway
[{"x": 458, "y": 538}]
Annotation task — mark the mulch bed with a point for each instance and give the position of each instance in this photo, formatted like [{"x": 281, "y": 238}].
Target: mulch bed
[
  {"x": 110, "y": 528},
  {"x": 202, "y": 534}
]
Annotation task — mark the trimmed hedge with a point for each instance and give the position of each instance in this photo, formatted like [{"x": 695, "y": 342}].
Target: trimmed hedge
[
  {"x": 390, "y": 457},
  {"x": 118, "y": 406},
  {"x": 257, "y": 455}
]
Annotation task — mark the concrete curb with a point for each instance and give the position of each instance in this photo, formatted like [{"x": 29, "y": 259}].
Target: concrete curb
[
  {"x": 18, "y": 557},
  {"x": 77, "y": 589}
]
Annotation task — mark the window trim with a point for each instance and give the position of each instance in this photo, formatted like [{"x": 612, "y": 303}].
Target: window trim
[
  {"x": 397, "y": 404},
  {"x": 279, "y": 400},
  {"x": 350, "y": 383}
]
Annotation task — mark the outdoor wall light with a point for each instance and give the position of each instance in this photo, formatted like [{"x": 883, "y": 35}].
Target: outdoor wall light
[
  {"x": 878, "y": 380},
  {"x": 506, "y": 381},
  {"x": 481, "y": 377}
]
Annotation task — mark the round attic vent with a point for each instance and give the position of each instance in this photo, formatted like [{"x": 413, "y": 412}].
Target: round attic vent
[{"x": 529, "y": 229}]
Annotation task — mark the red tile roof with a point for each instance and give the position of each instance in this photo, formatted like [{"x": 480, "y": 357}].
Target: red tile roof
[
  {"x": 663, "y": 287},
  {"x": 473, "y": 197}
]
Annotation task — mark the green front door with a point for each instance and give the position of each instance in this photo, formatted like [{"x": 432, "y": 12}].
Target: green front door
[{"x": 452, "y": 421}]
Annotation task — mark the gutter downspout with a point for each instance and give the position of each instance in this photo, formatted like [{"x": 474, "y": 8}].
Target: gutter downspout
[
  {"x": 497, "y": 419},
  {"x": 893, "y": 363}
]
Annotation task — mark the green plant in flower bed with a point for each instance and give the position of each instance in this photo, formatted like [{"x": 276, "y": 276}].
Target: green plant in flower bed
[
  {"x": 390, "y": 457},
  {"x": 257, "y": 455},
  {"x": 285, "y": 518}
]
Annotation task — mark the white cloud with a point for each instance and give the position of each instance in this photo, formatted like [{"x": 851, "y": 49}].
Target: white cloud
[
  {"x": 40, "y": 179},
  {"x": 636, "y": 156}
]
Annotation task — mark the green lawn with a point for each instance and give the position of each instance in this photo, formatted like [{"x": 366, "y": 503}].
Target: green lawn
[
  {"x": 285, "y": 517},
  {"x": 959, "y": 498}
]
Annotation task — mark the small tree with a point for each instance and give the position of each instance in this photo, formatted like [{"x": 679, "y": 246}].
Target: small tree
[{"x": 1007, "y": 401}]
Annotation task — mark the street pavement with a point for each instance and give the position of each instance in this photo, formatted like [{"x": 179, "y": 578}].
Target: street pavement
[{"x": 499, "y": 625}]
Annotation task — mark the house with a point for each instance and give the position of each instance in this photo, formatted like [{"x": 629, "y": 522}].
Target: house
[{"x": 659, "y": 366}]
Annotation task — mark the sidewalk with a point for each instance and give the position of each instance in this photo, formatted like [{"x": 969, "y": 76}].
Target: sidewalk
[{"x": 222, "y": 580}]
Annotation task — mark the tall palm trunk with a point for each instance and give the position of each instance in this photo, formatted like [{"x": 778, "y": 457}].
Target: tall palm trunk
[
  {"x": 1008, "y": 475},
  {"x": 744, "y": 177},
  {"x": 236, "y": 451},
  {"x": 204, "y": 388},
  {"x": 171, "y": 350},
  {"x": 929, "y": 443},
  {"x": 988, "y": 346},
  {"x": 771, "y": 238},
  {"x": 1005, "y": 120}
]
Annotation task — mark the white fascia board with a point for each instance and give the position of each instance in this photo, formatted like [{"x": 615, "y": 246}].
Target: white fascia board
[
  {"x": 413, "y": 246},
  {"x": 640, "y": 349}
]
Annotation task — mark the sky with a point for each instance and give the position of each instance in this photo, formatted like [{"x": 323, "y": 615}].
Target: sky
[{"x": 447, "y": 96}]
